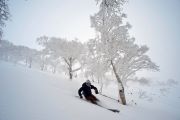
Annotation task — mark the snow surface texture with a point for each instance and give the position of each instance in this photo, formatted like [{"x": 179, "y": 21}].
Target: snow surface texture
[{"x": 28, "y": 94}]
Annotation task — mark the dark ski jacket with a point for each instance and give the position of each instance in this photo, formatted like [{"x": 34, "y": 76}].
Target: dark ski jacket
[{"x": 87, "y": 90}]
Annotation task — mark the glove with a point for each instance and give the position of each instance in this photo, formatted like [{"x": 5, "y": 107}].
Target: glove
[
  {"x": 96, "y": 92},
  {"x": 81, "y": 97}
]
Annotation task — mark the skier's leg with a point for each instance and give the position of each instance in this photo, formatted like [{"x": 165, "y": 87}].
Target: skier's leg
[
  {"x": 88, "y": 98},
  {"x": 94, "y": 98},
  {"x": 91, "y": 99}
]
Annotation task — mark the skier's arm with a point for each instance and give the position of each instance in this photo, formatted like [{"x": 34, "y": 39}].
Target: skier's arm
[
  {"x": 93, "y": 87},
  {"x": 79, "y": 92}
]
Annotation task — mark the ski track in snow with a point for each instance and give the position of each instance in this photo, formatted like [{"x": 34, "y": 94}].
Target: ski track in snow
[{"x": 29, "y": 94}]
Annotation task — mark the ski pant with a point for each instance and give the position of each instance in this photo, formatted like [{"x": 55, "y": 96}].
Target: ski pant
[{"x": 92, "y": 99}]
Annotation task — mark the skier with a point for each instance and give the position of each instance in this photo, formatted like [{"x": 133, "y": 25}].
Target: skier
[{"x": 86, "y": 89}]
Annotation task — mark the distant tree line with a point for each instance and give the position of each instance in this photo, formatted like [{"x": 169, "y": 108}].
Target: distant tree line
[
  {"x": 17, "y": 53},
  {"x": 57, "y": 53}
]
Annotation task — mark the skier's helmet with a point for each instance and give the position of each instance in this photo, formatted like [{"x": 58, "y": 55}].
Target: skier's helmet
[{"x": 88, "y": 83}]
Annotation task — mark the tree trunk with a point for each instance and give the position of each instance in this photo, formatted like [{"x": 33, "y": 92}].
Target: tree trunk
[
  {"x": 92, "y": 77},
  {"x": 69, "y": 61},
  {"x": 26, "y": 62},
  {"x": 122, "y": 96},
  {"x": 70, "y": 69},
  {"x": 42, "y": 66},
  {"x": 54, "y": 70},
  {"x": 70, "y": 74},
  {"x": 120, "y": 86},
  {"x": 30, "y": 62},
  {"x": 101, "y": 88}
]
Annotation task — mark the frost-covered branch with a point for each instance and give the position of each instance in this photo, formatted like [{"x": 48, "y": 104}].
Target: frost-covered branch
[
  {"x": 69, "y": 51},
  {"x": 114, "y": 45}
]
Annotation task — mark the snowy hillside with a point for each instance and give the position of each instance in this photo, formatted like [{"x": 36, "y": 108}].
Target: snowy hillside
[{"x": 28, "y": 94}]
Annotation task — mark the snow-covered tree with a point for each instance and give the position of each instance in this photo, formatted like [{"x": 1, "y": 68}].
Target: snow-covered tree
[
  {"x": 94, "y": 68},
  {"x": 53, "y": 61},
  {"x": 68, "y": 51},
  {"x": 30, "y": 55},
  {"x": 10, "y": 52},
  {"x": 44, "y": 54},
  {"x": 4, "y": 14},
  {"x": 5, "y": 48},
  {"x": 16, "y": 53},
  {"x": 43, "y": 57},
  {"x": 114, "y": 47}
]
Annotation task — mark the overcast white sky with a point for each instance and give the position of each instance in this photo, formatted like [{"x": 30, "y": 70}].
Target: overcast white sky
[{"x": 155, "y": 23}]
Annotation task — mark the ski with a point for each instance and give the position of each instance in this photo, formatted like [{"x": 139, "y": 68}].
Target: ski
[
  {"x": 112, "y": 110},
  {"x": 109, "y": 97}
]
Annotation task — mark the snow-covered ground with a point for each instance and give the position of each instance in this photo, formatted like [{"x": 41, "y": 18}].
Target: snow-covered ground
[{"x": 29, "y": 94}]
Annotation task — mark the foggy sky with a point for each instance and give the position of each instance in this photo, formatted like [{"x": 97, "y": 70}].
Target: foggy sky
[{"x": 155, "y": 23}]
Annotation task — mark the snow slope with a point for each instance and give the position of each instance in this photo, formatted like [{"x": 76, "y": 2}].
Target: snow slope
[{"x": 28, "y": 94}]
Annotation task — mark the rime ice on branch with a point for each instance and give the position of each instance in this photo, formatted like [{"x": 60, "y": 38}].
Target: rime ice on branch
[{"x": 114, "y": 47}]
